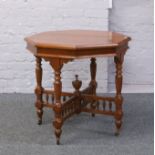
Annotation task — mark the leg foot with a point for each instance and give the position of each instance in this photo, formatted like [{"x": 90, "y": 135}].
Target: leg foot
[
  {"x": 118, "y": 121},
  {"x": 93, "y": 106},
  {"x": 39, "y": 122},
  {"x": 117, "y": 133},
  {"x": 58, "y": 143},
  {"x": 58, "y": 131},
  {"x": 118, "y": 126},
  {"x": 93, "y": 115},
  {"x": 40, "y": 115}
]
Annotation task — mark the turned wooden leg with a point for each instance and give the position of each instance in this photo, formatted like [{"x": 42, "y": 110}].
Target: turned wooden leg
[
  {"x": 118, "y": 97},
  {"x": 93, "y": 82},
  {"x": 58, "y": 121},
  {"x": 38, "y": 90}
]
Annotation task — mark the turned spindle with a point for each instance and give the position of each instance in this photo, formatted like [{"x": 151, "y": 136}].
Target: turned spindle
[
  {"x": 64, "y": 98},
  {"x": 93, "y": 106},
  {"x": 98, "y": 105},
  {"x": 110, "y": 106},
  {"x": 104, "y": 105},
  {"x": 52, "y": 98},
  {"x": 47, "y": 98},
  {"x": 39, "y": 90}
]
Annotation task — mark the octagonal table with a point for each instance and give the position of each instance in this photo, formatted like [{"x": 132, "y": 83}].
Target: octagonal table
[{"x": 60, "y": 47}]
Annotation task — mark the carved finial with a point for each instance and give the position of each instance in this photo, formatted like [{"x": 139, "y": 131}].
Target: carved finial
[
  {"x": 77, "y": 83},
  {"x": 76, "y": 77}
]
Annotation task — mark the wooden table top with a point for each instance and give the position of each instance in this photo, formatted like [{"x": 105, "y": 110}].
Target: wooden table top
[{"x": 75, "y": 40}]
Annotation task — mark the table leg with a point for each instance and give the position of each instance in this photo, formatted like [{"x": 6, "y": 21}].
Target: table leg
[
  {"x": 93, "y": 82},
  {"x": 118, "y": 97},
  {"x": 58, "y": 121},
  {"x": 38, "y": 90}
]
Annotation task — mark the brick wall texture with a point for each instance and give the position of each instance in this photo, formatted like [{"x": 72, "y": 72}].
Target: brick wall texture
[
  {"x": 20, "y": 18},
  {"x": 134, "y": 18}
]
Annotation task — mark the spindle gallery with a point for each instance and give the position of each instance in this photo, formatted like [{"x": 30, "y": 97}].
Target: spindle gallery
[{"x": 60, "y": 47}]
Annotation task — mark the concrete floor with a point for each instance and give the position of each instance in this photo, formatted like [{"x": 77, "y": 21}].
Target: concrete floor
[{"x": 82, "y": 135}]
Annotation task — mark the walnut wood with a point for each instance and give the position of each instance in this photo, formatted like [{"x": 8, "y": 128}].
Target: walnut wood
[
  {"x": 47, "y": 91},
  {"x": 64, "y": 98},
  {"x": 76, "y": 43},
  {"x": 45, "y": 104},
  {"x": 93, "y": 67},
  {"x": 84, "y": 92},
  {"x": 52, "y": 98},
  {"x": 58, "y": 121},
  {"x": 39, "y": 90},
  {"x": 67, "y": 104},
  {"x": 110, "y": 106},
  {"x": 98, "y": 111},
  {"x": 59, "y": 47},
  {"x": 118, "y": 98},
  {"x": 47, "y": 98},
  {"x": 97, "y": 98},
  {"x": 77, "y": 39},
  {"x": 93, "y": 82},
  {"x": 77, "y": 85},
  {"x": 104, "y": 105}
]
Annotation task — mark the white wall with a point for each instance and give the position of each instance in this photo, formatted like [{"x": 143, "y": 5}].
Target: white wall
[
  {"x": 19, "y": 18},
  {"x": 134, "y": 18}
]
